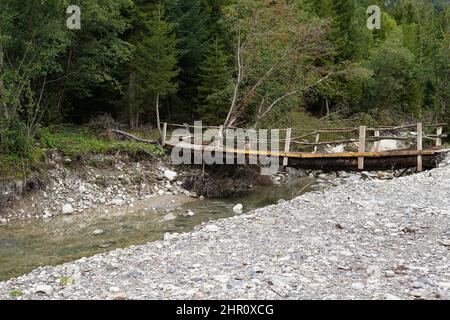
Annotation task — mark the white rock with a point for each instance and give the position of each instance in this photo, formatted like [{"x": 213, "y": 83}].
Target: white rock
[
  {"x": 118, "y": 202},
  {"x": 47, "y": 215},
  {"x": 212, "y": 228},
  {"x": 238, "y": 208},
  {"x": 82, "y": 189},
  {"x": 190, "y": 213},
  {"x": 168, "y": 236},
  {"x": 169, "y": 217},
  {"x": 170, "y": 175},
  {"x": 44, "y": 288},
  {"x": 358, "y": 286},
  {"x": 97, "y": 232},
  {"x": 67, "y": 209}
]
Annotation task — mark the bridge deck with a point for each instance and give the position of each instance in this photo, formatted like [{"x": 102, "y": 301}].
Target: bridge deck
[
  {"x": 397, "y": 159},
  {"x": 422, "y": 157}
]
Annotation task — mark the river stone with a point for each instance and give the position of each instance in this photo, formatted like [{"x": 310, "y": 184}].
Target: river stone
[
  {"x": 118, "y": 202},
  {"x": 44, "y": 288},
  {"x": 190, "y": 213},
  {"x": 170, "y": 175},
  {"x": 238, "y": 208},
  {"x": 97, "y": 232},
  {"x": 212, "y": 228},
  {"x": 169, "y": 217},
  {"x": 67, "y": 209}
]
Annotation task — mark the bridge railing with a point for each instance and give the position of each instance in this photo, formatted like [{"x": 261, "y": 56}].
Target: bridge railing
[{"x": 350, "y": 139}]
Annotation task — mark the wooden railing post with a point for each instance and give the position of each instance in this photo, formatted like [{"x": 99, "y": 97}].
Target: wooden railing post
[
  {"x": 287, "y": 146},
  {"x": 438, "y": 134},
  {"x": 362, "y": 146},
  {"x": 419, "y": 146},
  {"x": 377, "y": 143},
  {"x": 317, "y": 141},
  {"x": 164, "y": 134}
]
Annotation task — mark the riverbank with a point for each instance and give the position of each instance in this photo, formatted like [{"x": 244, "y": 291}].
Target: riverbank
[{"x": 373, "y": 239}]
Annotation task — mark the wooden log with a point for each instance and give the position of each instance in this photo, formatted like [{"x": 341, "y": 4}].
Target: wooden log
[
  {"x": 438, "y": 134},
  {"x": 324, "y": 143},
  {"x": 419, "y": 146},
  {"x": 376, "y": 134},
  {"x": 132, "y": 137},
  {"x": 410, "y": 126},
  {"x": 362, "y": 146},
  {"x": 287, "y": 146},
  {"x": 316, "y": 145}
]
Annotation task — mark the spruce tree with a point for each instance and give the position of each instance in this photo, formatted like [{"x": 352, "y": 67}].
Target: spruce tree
[
  {"x": 154, "y": 67},
  {"x": 215, "y": 79}
]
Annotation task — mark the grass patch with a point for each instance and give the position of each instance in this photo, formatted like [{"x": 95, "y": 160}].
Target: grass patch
[
  {"x": 66, "y": 281},
  {"x": 15, "y": 294},
  {"x": 78, "y": 142}
]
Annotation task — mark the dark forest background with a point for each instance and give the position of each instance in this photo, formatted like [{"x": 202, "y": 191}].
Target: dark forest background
[{"x": 263, "y": 63}]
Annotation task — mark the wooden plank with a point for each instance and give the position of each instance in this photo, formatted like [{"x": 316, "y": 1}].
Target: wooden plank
[
  {"x": 164, "y": 134},
  {"x": 287, "y": 146},
  {"x": 362, "y": 146},
  {"x": 419, "y": 146},
  {"x": 439, "y": 139},
  {"x": 308, "y": 155},
  {"x": 376, "y": 134},
  {"x": 317, "y": 141}
]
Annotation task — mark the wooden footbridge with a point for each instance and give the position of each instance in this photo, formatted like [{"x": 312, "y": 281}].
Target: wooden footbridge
[{"x": 358, "y": 148}]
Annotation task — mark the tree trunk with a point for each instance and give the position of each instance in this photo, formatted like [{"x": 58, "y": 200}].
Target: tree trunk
[
  {"x": 2, "y": 87},
  {"x": 158, "y": 121},
  {"x": 131, "y": 100}
]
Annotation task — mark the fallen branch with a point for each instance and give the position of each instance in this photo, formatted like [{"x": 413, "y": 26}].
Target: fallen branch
[{"x": 132, "y": 137}]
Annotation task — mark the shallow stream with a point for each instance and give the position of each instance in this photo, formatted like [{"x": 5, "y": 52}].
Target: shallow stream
[{"x": 26, "y": 246}]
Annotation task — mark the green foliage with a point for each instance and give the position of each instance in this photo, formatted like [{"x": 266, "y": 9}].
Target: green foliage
[
  {"x": 129, "y": 52},
  {"x": 214, "y": 90},
  {"x": 394, "y": 83},
  {"x": 15, "y": 293},
  {"x": 78, "y": 142},
  {"x": 66, "y": 281}
]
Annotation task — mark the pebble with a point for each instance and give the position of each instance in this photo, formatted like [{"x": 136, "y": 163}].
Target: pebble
[
  {"x": 67, "y": 209},
  {"x": 212, "y": 228}
]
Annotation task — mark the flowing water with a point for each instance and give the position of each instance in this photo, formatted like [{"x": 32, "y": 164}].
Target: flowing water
[{"x": 24, "y": 247}]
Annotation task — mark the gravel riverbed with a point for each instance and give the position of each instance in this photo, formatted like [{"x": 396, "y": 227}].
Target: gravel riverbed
[{"x": 365, "y": 240}]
